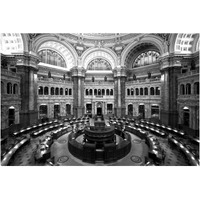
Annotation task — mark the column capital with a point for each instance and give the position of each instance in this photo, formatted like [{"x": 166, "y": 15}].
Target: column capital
[
  {"x": 119, "y": 71},
  {"x": 27, "y": 59},
  {"x": 170, "y": 61},
  {"x": 78, "y": 71}
]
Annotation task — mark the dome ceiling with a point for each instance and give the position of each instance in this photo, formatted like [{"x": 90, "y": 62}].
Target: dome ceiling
[{"x": 100, "y": 39}]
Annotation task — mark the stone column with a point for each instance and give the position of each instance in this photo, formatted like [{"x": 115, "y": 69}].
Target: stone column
[
  {"x": 27, "y": 68},
  {"x": 169, "y": 90},
  {"x": 78, "y": 75}
]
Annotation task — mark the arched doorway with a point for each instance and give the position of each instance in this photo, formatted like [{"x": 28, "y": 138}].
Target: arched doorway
[
  {"x": 68, "y": 109},
  {"x": 56, "y": 111},
  {"x": 130, "y": 109},
  {"x": 43, "y": 111},
  {"x": 11, "y": 116},
  {"x": 141, "y": 111},
  {"x": 89, "y": 108},
  {"x": 99, "y": 108},
  {"x": 186, "y": 116}
]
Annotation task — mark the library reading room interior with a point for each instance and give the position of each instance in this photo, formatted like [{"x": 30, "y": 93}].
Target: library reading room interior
[{"x": 99, "y": 99}]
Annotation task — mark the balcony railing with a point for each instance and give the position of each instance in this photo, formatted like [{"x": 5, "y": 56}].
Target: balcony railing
[
  {"x": 189, "y": 73},
  {"x": 143, "y": 81},
  {"x": 52, "y": 80},
  {"x": 98, "y": 82}
]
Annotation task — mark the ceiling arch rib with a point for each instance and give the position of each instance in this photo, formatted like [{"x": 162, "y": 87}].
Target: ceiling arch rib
[
  {"x": 63, "y": 50},
  {"x": 141, "y": 48},
  {"x": 153, "y": 40}
]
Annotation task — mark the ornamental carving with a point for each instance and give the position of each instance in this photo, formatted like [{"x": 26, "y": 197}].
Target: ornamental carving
[
  {"x": 99, "y": 64},
  {"x": 34, "y": 35}
]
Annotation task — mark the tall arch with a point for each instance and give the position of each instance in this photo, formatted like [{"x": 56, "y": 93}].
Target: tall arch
[
  {"x": 152, "y": 39},
  {"x": 64, "y": 48},
  {"x": 93, "y": 53}
]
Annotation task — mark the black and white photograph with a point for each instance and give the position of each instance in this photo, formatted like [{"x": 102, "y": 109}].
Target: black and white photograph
[
  {"x": 99, "y": 100},
  {"x": 117, "y": 99}
]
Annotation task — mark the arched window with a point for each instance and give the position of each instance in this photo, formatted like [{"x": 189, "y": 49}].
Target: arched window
[
  {"x": 107, "y": 92},
  {"x": 95, "y": 91},
  {"x": 151, "y": 91},
  {"x": 52, "y": 57},
  {"x": 188, "y": 88},
  {"x": 9, "y": 88},
  {"x": 46, "y": 91},
  {"x": 57, "y": 91},
  {"x": 90, "y": 91},
  {"x": 86, "y": 92},
  {"x": 146, "y": 58},
  {"x": 137, "y": 91},
  {"x": 196, "y": 88},
  {"x": 111, "y": 91},
  {"x": 2, "y": 87},
  {"x": 141, "y": 91},
  {"x": 40, "y": 90},
  {"x": 52, "y": 90},
  {"x": 128, "y": 92},
  {"x": 103, "y": 92},
  {"x": 99, "y": 91},
  {"x": 66, "y": 91},
  {"x": 157, "y": 91},
  {"x": 70, "y": 91},
  {"x": 145, "y": 91},
  {"x": 15, "y": 89},
  {"x": 61, "y": 91},
  {"x": 132, "y": 91},
  {"x": 182, "y": 89}
]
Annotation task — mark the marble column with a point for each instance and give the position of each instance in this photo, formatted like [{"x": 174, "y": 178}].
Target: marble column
[
  {"x": 78, "y": 74},
  {"x": 169, "y": 91},
  {"x": 119, "y": 91},
  {"x": 27, "y": 68}
]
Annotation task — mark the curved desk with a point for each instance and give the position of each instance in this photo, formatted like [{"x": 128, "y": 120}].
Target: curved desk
[{"x": 12, "y": 151}]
